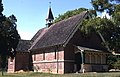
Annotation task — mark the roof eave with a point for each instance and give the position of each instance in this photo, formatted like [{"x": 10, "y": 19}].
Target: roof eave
[{"x": 37, "y": 49}]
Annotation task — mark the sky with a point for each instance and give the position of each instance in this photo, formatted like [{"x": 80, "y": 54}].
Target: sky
[{"x": 31, "y": 14}]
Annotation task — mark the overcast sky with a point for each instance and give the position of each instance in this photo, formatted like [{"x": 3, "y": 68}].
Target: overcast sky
[{"x": 31, "y": 14}]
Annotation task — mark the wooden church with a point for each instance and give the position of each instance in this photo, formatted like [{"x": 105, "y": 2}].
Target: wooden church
[{"x": 61, "y": 48}]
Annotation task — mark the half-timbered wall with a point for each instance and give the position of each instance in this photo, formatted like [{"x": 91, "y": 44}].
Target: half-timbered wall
[{"x": 50, "y": 60}]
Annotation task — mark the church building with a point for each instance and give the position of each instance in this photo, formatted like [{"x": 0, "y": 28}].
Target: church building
[{"x": 61, "y": 48}]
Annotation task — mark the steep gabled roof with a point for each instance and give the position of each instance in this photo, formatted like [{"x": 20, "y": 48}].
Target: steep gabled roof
[
  {"x": 60, "y": 32},
  {"x": 37, "y": 34},
  {"x": 23, "y": 46}
]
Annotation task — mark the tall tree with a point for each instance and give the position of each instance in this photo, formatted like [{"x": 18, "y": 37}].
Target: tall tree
[
  {"x": 109, "y": 32},
  {"x": 106, "y": 29},
  {"x": 9, "y": 37},
  {"x": 102, "y": 5},
  {"x": 116, "y": 15},
  {"x": 113, "y": 8}
]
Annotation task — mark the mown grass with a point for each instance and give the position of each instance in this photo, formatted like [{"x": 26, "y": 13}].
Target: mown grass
[{"x": 31, "y": 74}]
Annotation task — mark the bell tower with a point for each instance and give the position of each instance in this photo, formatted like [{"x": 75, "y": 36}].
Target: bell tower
[{"x": 50, "y": 17}]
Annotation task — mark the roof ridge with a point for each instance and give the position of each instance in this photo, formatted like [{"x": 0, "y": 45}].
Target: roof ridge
[{"x": 68, "y": 18}]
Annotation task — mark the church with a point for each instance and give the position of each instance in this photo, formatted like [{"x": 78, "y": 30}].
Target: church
[{"x": 61, "y": 48}]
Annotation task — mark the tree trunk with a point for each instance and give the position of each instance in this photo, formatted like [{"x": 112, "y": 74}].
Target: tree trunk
[{"x": 3, "y": 64}]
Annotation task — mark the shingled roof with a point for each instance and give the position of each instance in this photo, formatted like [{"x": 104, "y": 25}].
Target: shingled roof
[
  {"x": 59, "y": 33},
  {"x": 37, "y": 34},
  {"x": 23, "y": 46}
]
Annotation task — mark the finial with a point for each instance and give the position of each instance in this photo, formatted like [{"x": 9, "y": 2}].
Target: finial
[{"x": 49, "y": 4}]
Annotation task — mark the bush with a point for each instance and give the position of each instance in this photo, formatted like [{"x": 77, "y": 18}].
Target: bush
[{"x": 117, "y": 64}]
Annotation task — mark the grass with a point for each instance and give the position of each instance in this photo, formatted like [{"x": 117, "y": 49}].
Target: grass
[{"x": 31, "y": 74}]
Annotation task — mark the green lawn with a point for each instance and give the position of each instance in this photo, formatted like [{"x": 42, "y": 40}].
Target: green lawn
[{"x": 29, "y": 74}]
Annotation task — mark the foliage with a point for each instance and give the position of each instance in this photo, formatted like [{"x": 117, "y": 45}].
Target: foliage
[
  {"x": 112, "y": 7},
  {"x": 109, "y": 29},
  {"x": 1, "y": 9},
  {"x": 117, "y": 64},
  {"x": 102, "y": 5},
  {"x": 111, "y": 59},
  {"x": 116, "y": 15},
  {"x": 106, "y": 27},
  {"x": 69, "y": 14},
  {"x": 9, "y": 36}
]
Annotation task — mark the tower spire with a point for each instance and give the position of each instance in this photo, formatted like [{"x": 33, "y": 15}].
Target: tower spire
[{"x": 50, "y": 16}]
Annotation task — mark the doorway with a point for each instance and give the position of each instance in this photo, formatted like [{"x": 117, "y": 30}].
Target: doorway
[{"x": 78, "y": 61}]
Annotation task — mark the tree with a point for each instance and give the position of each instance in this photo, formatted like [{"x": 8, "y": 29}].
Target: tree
[
  {"x": 69, "y": 14},
  {"x": 117, "y": 64},
  {"x": 116, "y": 15},
  {"x": 9, "y": 37},
  {"x": 111, "y": 59},
  {"x": 107, "y": 30},
  {"x": 113, "y": 8},
  {"x": 102, "y": 5}
]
